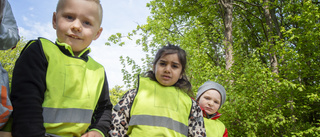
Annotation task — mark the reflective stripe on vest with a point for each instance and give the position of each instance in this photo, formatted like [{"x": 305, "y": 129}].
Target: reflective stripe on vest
[
  {"x": 58, "y": 115},
  {"x": 160, "y": 122},
  {"x": 214, "y": 128},
  {"x": 159, "y": 111},
  {"x": 68, "y": 108}
]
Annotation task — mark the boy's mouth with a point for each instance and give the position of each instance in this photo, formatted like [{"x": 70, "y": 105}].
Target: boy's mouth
[{"x": 74, "y": 36}]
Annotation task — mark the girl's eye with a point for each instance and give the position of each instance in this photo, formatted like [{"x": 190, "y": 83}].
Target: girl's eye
[
  {"x": 162, "y": 64},
  {"x": 174, "y": 66}
]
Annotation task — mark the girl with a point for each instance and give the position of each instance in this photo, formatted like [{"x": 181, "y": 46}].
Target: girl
[
  {"x": 211, "y": 96},
  {"x": 160, "y": 106}
]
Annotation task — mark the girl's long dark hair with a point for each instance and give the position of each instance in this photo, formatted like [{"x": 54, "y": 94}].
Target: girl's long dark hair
[{"x": 182, "y": 83}]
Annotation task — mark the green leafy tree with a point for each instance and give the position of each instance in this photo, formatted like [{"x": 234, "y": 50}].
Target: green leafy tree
[
  {"x": 269, "y": 65},
  {"x": 116, "y": 93},
  {"x": 9, "y": 57}
]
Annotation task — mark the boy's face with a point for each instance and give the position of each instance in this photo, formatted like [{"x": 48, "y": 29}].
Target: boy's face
[
  {"x": 210, "y": 101},
  {"x": 77, "y": 23},
  {"x": 168, "y": 69}
]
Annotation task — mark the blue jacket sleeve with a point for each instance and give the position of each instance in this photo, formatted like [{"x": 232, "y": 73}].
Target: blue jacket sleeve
[{"x": 9, "y": 35}]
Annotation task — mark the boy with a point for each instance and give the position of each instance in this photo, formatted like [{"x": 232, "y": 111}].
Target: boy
[
  {"x": 57, "y": 89},
  {"x": 211, "y": 97}
]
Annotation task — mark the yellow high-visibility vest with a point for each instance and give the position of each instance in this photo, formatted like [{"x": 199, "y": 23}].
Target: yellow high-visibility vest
[
  {"x": 159, "y": 111},
  {"x": 214, "y": 128},
  {"x": 68, "y": 108}
]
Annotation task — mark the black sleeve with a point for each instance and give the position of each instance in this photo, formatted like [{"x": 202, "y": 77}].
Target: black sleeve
[
  {"x": 102, "y": 115},
  {"x": 27, "y": 92}
]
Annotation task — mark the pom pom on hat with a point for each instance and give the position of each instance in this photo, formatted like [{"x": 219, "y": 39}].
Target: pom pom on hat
[{"x": 212, "y": 85}]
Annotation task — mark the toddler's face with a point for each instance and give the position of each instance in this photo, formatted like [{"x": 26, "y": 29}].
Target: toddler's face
[
  {"x": 77, "y": 23},
  {"x": 210, "y": 101},
  {"x": 168, "y": 69}
]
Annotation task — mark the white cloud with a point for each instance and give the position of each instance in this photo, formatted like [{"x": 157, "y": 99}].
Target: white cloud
[{"x": 37, "y": 29}]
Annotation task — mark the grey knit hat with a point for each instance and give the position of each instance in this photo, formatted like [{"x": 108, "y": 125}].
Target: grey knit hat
[{"x": 212, "y": 85}]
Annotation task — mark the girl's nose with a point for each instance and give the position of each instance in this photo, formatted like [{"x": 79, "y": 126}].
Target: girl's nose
[
  {"x": 210, "y": 103},
  {"x": 167, "y": 69}
]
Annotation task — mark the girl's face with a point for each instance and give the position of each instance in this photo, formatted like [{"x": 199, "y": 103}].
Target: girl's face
[
  {"x": 168, "y": 69},
  {"x": 210, "y": 101}
]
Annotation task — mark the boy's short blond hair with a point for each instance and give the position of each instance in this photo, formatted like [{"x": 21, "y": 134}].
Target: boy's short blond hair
[{"x": 60, "y": 3}]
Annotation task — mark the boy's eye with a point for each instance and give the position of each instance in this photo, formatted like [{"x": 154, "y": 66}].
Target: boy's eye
[
  {"x": 87, "y": 23},
  {"x": 69, "y": 17}
]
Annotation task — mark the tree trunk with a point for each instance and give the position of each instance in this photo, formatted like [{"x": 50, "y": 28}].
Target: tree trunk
[
  {"x": 272, "y": 51},
  {"x": 228, "y": 41}
]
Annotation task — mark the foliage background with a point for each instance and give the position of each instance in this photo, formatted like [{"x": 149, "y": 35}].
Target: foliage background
[
  {"x": 265, "y": 52},
  {"x": 9, "y": 57}
]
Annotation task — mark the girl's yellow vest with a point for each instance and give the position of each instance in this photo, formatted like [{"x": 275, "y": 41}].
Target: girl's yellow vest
[
  {"x": 73, "y": 90},
  {"x": 159, "y": 111},
  {"x": 214, "y": 128}
]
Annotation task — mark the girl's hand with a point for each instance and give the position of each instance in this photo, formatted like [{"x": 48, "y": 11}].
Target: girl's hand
[{"x": 92, "y": 134}]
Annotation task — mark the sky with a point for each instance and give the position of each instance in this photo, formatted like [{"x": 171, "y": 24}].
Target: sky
[{"x": 34, "y": 19}]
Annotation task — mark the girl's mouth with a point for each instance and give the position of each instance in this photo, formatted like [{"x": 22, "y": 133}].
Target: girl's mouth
[
  {"x": 209, "y": 109},
  {"x": 165, "y": 77}
]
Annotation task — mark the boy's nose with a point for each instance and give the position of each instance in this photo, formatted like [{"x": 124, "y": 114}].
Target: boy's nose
[{"x": 76, "y": 25}]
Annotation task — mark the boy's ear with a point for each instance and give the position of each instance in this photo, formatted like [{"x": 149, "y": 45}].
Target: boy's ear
[
  {"x": 54, "y": 20},
  {"x": 98, "y": 33}
]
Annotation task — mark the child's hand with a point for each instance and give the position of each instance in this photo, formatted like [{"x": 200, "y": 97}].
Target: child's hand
[{"x": 92, "y": 134}]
